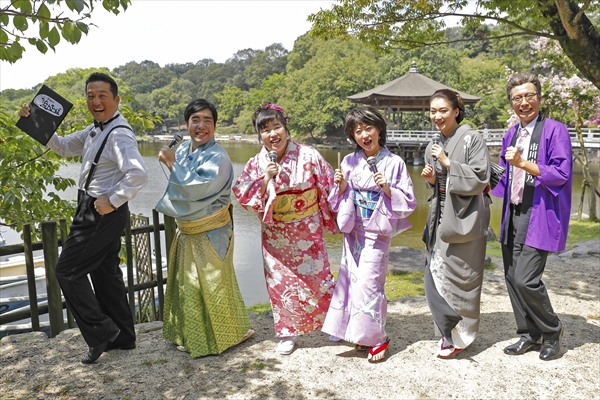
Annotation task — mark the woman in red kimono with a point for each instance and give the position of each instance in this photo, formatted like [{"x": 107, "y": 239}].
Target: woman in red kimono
[{"x": 286, "y": 184}]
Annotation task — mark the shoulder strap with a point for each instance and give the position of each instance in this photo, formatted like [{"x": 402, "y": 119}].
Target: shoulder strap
[{"x": 95, "y": 163}]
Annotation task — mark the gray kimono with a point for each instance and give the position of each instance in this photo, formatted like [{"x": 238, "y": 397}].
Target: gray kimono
[{"x": 455, "y": 235}]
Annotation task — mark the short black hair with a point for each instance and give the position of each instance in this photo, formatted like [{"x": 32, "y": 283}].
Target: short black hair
[
  {"x": 99, "y": 76},
  {"x": 198, "y": 105},
  {"x": 521, "y": 78},
  {"x": 365, "y": 115}
]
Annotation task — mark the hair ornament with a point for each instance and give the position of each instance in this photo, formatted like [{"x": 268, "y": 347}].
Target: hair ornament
[{"x": 275, "y": 107}]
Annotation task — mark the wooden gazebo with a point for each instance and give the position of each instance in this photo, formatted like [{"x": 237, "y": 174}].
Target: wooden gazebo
[{"x": 410, "y": 92}]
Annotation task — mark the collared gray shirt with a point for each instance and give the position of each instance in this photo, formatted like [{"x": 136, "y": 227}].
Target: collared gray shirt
[{"x": 121, "y": 171}]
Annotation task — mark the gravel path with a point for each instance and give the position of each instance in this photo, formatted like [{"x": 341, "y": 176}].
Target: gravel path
[{"x": 40, "y": 368}]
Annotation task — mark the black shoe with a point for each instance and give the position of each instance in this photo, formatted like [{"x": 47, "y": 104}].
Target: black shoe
[
  {"x": 95, "y": 352},
  {"x": 115, "y": 346},
  {"x": 551, "y": 348},
  {"x": 523, "y": 346}
]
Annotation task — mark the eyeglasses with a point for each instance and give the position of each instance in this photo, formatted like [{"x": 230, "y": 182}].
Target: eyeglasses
[{"x": 519, "y": 99}]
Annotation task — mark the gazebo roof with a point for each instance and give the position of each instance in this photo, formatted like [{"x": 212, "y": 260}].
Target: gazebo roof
[{"x": 410, "y": 92}]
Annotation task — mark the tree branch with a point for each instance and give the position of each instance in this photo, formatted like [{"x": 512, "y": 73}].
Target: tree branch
[
  {"x": 584, "y": 7},
  {"x": 425, "y": 44},
  {"x": 439, "y": 15},
  {"x": 28, "y": 161}
]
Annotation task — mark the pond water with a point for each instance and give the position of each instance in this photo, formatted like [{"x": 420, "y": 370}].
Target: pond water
[{"x": 247, "y": 251}]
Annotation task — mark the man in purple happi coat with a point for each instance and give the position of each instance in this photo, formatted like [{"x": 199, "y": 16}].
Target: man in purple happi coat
[{"x": 536, "y": 189}]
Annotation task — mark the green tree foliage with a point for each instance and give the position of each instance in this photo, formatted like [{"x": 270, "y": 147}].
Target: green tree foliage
[
  {"x": 484, "y": 76},
  {"x": 29, "y": 180},
  {"x": 315, "y": 96},
  {"x": 231, "y": 102},
  {"x": 269, "y": 92},
  {"x": 440, "y": 63},
  {"x": 42, "y": 23},
  {"x": 386, "y": 24},
  {"x": 179, "y": 69},
  {"x": 170, "y": 101},
  {"x": 145, "y": 76},
  {"x": 265, "y": 63},
  {"x": 29, "y": 183}
]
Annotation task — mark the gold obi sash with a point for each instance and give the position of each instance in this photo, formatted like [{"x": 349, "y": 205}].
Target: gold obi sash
[
  {"x": 295, "y": 204},
  {"x": 216, "y": 220}
]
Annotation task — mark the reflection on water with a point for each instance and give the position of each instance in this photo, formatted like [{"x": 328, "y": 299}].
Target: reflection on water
[{"x": 247, "y": 253}]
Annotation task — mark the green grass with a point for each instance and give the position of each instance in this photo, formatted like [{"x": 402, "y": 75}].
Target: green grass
[
  {"x": 257, "y": 365},
  {"x": 406, "y": 284},
  {"x": 578, "y": 232},
  {"x": 402, "y": 285},
  {"x": 259, "y": 309},
  {"x": 493, "y": 249},
  {"x": 582, "y": 231},
  {"x": 157, "y": 361},
  {"x": 65, "y": 389}
]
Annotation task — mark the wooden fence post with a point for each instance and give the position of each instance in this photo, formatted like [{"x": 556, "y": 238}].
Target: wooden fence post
[
  {"x": 32, "y": 290},
  {"x": 63, "y": 239},
  {"x": 159, "y": 267},
  {"x": 170, "y": 229},
  {"x": 129, "y": 253},
  {"x": 55, "y": 305}
]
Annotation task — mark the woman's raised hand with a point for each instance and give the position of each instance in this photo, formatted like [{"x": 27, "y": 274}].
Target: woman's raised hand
[
  {"x": 340, "y": 180},
  {"x": 271, "y": 171},
  {"x": 438, "y": 152},
  {"x": 428, "y": 174}
]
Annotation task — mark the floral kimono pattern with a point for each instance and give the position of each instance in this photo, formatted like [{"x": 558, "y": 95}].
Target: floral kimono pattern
[
  {"x": 368, "y": 218},
  {"x": 294, "y": 213}
]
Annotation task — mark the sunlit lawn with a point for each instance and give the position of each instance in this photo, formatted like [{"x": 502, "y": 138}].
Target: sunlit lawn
[
  {"x": 582, "y": 231},
  {"x": 402, "y": 285}
]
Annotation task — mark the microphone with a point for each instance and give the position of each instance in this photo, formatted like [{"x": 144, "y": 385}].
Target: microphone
[
  {"x": 436, "y": 138},
  {"x": 520, "y": 148},
  {"x": 372, "y": 161},
  {"x": 273, "y": 156},
  {"x": 176, "y": 139}
]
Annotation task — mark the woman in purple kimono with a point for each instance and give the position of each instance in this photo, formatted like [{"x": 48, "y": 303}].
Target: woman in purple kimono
[
  {"x": 458, "y": 170},
  {"x": 373, "y": 198}
]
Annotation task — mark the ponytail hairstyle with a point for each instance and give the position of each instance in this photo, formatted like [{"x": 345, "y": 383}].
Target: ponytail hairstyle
[
  {"x": 454, "y": 99},
  {"x": 267, "y": 113}
]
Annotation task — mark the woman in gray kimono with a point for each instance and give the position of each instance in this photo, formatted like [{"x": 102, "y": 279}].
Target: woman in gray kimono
[{"x": 458, "y": 170}]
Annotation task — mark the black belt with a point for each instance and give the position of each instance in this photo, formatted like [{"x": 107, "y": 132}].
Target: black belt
[{"x": 516, "y": 208}]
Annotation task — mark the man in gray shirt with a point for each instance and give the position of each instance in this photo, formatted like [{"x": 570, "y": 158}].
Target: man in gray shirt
[{"x": 112, "y": 173}]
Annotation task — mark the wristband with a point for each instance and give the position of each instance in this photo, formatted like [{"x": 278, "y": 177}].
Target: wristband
[{"x": 111, "y": 204}]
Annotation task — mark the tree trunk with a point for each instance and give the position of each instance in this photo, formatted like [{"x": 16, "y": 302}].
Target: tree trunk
[
  {"x": 581, "y": 201},
  {"x": 587, "y": 178},
  {"x": 576, "y": 34},
  {"x": 592, "y": 199}
]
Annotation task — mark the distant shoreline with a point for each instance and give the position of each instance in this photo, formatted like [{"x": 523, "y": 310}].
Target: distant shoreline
[{"x": 593, "y": 154}]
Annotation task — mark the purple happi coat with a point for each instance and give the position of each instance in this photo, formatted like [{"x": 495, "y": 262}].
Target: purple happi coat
[
  {"x": 551, "y": 208},
  {"x": 358, "y": 309}
]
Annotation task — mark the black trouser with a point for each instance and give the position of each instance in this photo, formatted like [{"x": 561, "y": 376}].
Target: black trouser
[
  {"x": 523, "y": 269},
  {"x": 93, "y": 248}
]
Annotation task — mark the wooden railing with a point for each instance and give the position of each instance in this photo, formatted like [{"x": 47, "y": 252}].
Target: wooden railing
[
  {"x": 591, "y": 136},
  {"x": 50, "y": 243}
]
